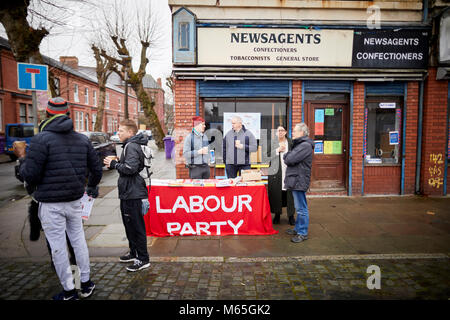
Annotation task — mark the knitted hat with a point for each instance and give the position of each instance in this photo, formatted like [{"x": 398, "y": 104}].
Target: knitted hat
[
  {"x": 196, "y": 120},
  {"x": 57, "y": 106}
]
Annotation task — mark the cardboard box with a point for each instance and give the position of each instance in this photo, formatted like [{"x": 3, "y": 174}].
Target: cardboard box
[{"x": 251, "y": 175}]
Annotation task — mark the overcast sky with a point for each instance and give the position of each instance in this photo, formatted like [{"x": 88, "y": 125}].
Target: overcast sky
[{"x": 80, "y": 23}]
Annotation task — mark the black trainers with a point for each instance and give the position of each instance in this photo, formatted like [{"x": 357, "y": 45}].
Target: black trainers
[
  {"x": 292, "y": 232},
  {"x": 127, "y": 258},
  {"x": 67, "y": 295},
  {"x": 299, "y": 238},
  {"x": 138, "y": 265},
  {"x": 87, "y": 288}
]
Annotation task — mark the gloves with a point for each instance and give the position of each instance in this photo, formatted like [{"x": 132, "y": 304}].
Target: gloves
[
  {"x": 145, "y": 206},
  {"x": 92, "y": 191},
  {"x": 112, "y": 165}
]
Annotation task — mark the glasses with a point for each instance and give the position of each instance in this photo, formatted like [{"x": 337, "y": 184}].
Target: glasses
[{"x": 281, "y": 130}]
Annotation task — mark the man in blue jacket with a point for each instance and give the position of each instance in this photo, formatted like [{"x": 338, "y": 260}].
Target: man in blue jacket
[{"x": 57, "y": 165}]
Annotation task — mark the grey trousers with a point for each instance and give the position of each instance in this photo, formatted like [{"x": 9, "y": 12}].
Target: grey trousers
[
  {"x": 199, "y": 172},
  {"x": 57, "y": 218}
]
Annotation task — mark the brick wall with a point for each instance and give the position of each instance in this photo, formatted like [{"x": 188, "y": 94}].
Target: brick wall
[
  {"x": 358, "y": 130},
  {"x": 434, "y": 136},
  {"x": 382, "y": 180},
  {"x": 296, "y": 102},
  {"x": 412, "y": 107},
  {"x": 184, "y": 99}
]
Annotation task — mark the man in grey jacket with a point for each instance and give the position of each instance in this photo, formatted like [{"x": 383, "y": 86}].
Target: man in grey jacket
[
  {"x": 237, "y": 145},
  {"x": 195, "y": 150},
  {"x": 298, "y": 177}
]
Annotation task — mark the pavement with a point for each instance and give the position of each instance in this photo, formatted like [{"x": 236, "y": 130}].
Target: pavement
[{"x": 408, "y": 237}]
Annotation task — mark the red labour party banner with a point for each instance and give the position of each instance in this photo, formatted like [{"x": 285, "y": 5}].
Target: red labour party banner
[{"x": 193, "y": 210}]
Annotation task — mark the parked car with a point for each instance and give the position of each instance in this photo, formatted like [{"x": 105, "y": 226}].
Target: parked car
[
  {"x": 101, "y": 143},
  {"x": 17, "y": 132},
  {"x": 147, "y": 132},
  {"x": 115, "y": 138}
]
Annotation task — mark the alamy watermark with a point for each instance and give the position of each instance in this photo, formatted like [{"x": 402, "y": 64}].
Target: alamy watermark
[{"x": 374, "y": 280}]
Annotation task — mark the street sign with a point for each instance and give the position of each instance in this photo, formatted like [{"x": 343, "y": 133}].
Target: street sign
[{"x": 32, "y": 76}]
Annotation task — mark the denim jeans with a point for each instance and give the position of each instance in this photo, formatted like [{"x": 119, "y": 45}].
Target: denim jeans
[{"x": 301, "y": 206}]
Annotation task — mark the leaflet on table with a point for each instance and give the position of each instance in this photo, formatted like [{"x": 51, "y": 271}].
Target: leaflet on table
[{"x": 86, "y": 206}]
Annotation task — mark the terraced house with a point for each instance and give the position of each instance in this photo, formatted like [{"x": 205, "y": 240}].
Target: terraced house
[{"x": 369, "y": 78}]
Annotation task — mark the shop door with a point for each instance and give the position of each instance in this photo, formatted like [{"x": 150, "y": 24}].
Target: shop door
[{"x": 328, "y": 125}]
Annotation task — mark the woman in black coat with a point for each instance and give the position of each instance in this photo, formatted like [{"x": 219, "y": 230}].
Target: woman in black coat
[{"x": 279, "y": 197}]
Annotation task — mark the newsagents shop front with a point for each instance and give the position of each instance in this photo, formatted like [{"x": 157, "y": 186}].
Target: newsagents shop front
[{"x": 357, "y": 89}]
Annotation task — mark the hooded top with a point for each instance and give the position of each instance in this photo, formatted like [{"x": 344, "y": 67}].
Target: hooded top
[
  {"x": 59, "y": 161},
  {"x": 131, "y": 185}
]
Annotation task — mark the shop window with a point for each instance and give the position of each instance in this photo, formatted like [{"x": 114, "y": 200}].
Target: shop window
[
  {"x": 273, "y": 113},
  {"x": 383, "y": 130}
]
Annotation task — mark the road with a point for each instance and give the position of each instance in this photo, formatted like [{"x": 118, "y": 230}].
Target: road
[{"x": 12, "y": 189}]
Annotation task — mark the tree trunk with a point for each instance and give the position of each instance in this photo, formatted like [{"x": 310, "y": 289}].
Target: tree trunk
[
  {"x": 100, "y": 108},
  {"x": 150, "y": 114}
]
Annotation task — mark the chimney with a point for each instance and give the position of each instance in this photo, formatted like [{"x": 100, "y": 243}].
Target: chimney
[
  {"x": 159, "y": 82},
  {"x": 71, "y": 62}
]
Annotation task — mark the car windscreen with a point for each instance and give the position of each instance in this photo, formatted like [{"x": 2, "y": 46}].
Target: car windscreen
[
  {"x": 28, "y": 132},
  {"x": 21, "y": 131}
]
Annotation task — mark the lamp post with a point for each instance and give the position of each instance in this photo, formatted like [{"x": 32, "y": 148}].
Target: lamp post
[{"x": 124, "y": 58}]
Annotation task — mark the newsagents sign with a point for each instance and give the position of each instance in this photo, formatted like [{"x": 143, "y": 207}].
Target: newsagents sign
[
  {"x": 274, "y": 47},
  {"x": 390, "y": 49},
  {"x": 381, "y": 49}
]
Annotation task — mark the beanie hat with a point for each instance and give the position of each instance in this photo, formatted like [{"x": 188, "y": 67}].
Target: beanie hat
[
  {"x": 196, "y": 120},
  {"x": 57, "y": 106}
]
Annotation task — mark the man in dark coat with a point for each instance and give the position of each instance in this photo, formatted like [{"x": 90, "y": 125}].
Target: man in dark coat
[
  {"x": 237, "y": 145},
  {"x": 132, "y": 190},
  {"x": 279, "y": 197},
  {"x": 57, "y": 164},
  {"x": 298, "y": 178}
]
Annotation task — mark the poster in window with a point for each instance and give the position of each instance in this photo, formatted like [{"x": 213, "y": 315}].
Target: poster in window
[
  {"x": 318, "y": 128},
  {"x": 319, "y": 115},
  {"x": 328, "y": 147},
  {"x": 251, "y": 121},
  {"x": 393, "y": 137},
  {"x": 318, "y": 146}
]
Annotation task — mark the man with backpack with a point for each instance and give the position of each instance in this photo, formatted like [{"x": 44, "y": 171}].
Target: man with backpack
[{"x": 132, "y": 192}]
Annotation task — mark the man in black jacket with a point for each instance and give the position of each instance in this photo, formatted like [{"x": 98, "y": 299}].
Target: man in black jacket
[
  {"x": 298, "y": 177},
  {"x": 57, "y": 165},
  {"x": 132, "y": 190}
]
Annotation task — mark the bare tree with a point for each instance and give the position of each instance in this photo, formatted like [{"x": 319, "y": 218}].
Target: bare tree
[
  {"x": 104, "y": 68},
  {"x": 118, "y": 25}
]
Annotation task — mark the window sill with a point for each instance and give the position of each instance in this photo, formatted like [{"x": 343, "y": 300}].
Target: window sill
[{"x": 382, "y": 164}]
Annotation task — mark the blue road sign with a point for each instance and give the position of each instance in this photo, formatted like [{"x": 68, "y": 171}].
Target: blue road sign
[{"x": 32, "y": 76}]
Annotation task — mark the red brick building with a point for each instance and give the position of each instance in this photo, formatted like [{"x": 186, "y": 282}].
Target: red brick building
[
  {"x": 370, "y": 95},
  {"x": 78, "y": 88}
]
